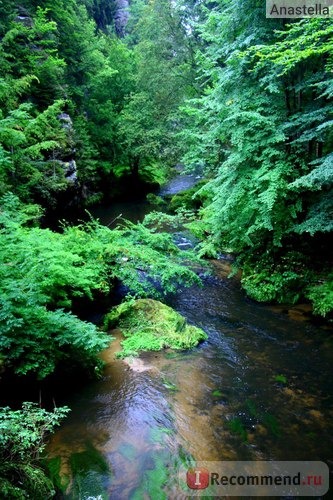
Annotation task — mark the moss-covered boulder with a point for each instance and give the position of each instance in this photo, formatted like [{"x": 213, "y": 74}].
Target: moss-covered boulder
[
  {"x": 149, "y": 325},
  {"x": 188, "y": 199}
]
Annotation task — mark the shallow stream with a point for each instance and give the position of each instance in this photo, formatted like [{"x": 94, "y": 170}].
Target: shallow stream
[{"x": 259, "y": 388}]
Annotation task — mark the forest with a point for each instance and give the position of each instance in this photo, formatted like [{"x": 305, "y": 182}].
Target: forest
[{"x": 99, "y": 100}]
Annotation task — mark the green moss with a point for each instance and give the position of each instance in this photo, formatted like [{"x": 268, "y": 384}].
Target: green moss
[
  {"x": 252, "y": 409},
  {"x": 237, "y": 427},
  {"x": 170, "y": 385},
  {"x": 217, "y": 393},
  {"x": 282, "y": 379},
  {"x": 60, "y": 481},
  {"x": 158, "y": 435},
  {"x": 159, "y": 477},
  {"x": 188, "y": 199},
  {"x": 154, "y": 481},
  {"x": 112, "y": 319},
  {"x": 272, "y": 424},
  {"x": 149, "y": 325},
  {"x": 90, "y": 472}
]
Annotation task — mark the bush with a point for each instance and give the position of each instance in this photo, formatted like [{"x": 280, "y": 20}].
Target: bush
[
  {"x": 279, "y": 279},
  {"x": 188, "y": 199},
  {"x": 322, "y": 296},
  {"x": 22, "y": 442}
]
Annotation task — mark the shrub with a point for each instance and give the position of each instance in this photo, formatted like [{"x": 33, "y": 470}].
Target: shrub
[{"x": 22, "y": 442}]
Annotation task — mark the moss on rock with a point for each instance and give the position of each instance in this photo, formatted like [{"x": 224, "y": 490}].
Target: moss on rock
[
  {"x": 188, "y": 199},
  {"x": 149, "y": 325}
]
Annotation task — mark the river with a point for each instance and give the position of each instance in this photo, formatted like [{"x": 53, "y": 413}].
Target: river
[{"x": 259, "y": 388}]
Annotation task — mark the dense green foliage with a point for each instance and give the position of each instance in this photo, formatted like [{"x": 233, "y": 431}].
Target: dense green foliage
[
  {"x": 69, "y": 92},
  {"x": 93, "y": 107},
  {"x": 262, "y": 128},
  {"x": 88, "y": 109},
  {"x": 22, "y": 442},
  {"x": 42, "y": 272}
]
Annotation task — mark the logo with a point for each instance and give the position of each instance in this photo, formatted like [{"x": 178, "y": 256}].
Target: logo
[
  {"x": 197, "y": 478},
  {"x": 255, "y": 478}
]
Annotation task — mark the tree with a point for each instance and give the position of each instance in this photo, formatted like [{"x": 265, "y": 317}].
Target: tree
[
  {"x": 149, "y": 120},
  {"x": 262, "y": 130},
  {"x": 30, "y": 47}
]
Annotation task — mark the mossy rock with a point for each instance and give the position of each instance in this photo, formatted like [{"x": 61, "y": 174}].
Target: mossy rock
[
  {"x": 153, "y": 199},
  {"x": 60, "y": 480},
  {"x": 187, "y": 199},
  {"x": 149, "y": 325}
]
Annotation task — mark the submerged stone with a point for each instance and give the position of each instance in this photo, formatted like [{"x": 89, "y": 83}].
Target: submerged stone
[{"x": 149, "y": 325}]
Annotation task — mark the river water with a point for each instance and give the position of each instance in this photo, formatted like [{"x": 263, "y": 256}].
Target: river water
[{"x": 259, "y": 388}]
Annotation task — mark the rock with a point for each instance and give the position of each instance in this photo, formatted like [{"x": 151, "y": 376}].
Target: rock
[
  {"x": 67, "y": 154},
  {"x": 66, "y": 121},
  {"x": 23, "y": 17},
  {"x": 138, "y": 365},
  {"x": 121, "y": 16},
  {"x": 25, "y": 20},
  {"x": 71, "y": 172},
  {"x": 149, "y": 325}
]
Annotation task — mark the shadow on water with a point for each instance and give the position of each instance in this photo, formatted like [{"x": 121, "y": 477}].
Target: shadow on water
[
  {"x": 259, "y": 388},
  {"x": 135, "y": 210}
]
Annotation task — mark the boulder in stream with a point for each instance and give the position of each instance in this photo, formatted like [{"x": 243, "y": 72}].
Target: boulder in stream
[{"x": 149, "y": 325}]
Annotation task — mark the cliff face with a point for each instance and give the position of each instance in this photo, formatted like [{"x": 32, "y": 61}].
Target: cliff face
[
  {"x": 121, "y": 16},
  {"x": 111, "y": 13}
]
